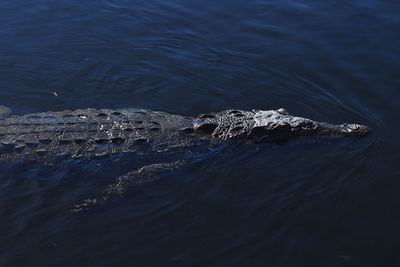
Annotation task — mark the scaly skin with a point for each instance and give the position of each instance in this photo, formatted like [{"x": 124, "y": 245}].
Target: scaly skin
[
  {"x": 96, "y": 133},
  {"x": 269, "y": 126},
  {"x": 81, "y": 132}
]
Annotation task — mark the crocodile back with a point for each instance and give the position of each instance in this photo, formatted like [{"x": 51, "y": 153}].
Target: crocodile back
[{"x": 85, "y": 132}]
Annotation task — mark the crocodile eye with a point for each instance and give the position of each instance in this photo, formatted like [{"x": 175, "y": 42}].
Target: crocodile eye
[
  {"x": 354, "y": 127},
  {"x": 283, "y": 111}
]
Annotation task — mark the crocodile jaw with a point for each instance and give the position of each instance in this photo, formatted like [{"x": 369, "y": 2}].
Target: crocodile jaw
[{"x": 346, "y": 129}]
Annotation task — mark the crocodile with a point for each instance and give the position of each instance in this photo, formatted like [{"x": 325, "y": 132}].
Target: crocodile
[{"x": 91, "y": 133}]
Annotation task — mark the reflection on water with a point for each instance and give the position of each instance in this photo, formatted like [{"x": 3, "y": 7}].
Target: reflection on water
[{"x": 309, "y": 202}]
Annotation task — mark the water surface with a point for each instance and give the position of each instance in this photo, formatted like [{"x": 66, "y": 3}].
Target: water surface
[{"x": 307, "y": 203}]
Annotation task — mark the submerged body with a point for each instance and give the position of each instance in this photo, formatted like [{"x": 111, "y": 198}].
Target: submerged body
[
  {"x": 51, "y": 137},
  {"x": 87, "y": 132}
]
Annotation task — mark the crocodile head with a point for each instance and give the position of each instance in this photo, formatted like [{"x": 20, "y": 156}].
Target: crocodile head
[{"x": 269, "y": 126}]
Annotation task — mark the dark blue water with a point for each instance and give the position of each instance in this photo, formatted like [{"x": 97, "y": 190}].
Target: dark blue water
[{"x": 301, "y": 204}]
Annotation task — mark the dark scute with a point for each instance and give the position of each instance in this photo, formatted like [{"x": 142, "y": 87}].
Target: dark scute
[
  {"x": 45, "y": 141},
  {"x": 117, "y": 139},
  {"x": 116, "y": 113},
  {"x": 207, "y": 116},
  {"x": 102, "y": 115},
  {"x": 101, "y": 140},
  {"x": 153, "y": 129},
  {"x": 40, "y": 152},
  {"x": 65, "y": 142},
  {"x": 128, "y": 130},
  {"x": 207, "y": 128},
  {"x": 31, "y": 145},
  {"x": 50, "y": 117},
  {"x": 139, "y": 122},
  {"x": 237, "y": 129},
  {"x": 80, "y": 140},
  {"x": 34, "y": 117}
]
